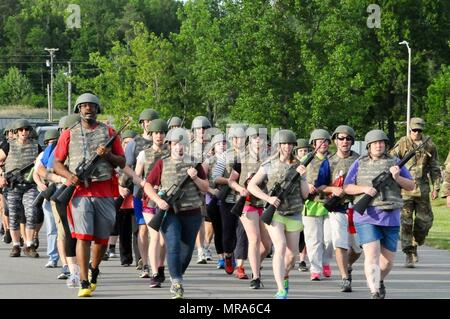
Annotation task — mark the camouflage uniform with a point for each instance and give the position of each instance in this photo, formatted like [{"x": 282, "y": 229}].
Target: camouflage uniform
[
  {"x": 423, "y": 166},
  {"x": 446, "y": 182}
]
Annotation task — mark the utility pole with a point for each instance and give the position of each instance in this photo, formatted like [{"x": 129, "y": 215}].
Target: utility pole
[
  {"x": 69, "y": 88},
  {"x": 408, "y": 101},
  {"x": 52, "y": 55}
]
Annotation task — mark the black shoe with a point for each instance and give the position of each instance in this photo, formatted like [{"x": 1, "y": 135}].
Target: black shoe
[
  {"x": 376, "y": 295},
  {"x": 302, "y": 266},
  {"x": 154, "y": 281},
  {"x": 93, "y": 274},
  {"x": 161, "y": 277},
  {"x": 256, "y": 283},
  {"x": 105, "y": 257},
  {"x": 7, "y": 237},
  {"x": 382, "y": 290},
  {"x": 349, "y": 270},
  {"x": 36, "y": 242},
  {"x": 346, "y": 285}
]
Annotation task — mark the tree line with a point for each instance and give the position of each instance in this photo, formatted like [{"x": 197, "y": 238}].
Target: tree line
[{"x": 297, "y": 64}]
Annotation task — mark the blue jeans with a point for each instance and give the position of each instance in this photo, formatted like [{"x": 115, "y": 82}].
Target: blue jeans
[
  {"x": 52, "y": 231},
  {"x": 180, "y": 232}
]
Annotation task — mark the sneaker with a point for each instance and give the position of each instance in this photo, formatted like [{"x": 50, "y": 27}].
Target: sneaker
[
  {"x": 105, "y": 257},
  {"x": 240, "y": 273},
  {"x": 154, "y": 282},
  {"x": 85, "y": 289},
  {"x": 201, "y": 259},
  {"x": 93, "y": 275},
  {"x": 302, "y": 266},
  {"x": 256, "y": 283},
  {"x": 161, "y": 276},
  {"x": 376, "y": 295},
  {"x": 51, "y": 264},
  {"x": 207, "y": 254},
  {"x": 326, "y": 271},
  {"x": 416, "y": 257},
  {"x": 382, "y": 290},
  {"x": 229, "y": 267},
  {"x": 346, "y": 285},
  {"x": 286, "y": 284},
  {"x": 15, "y": 251},
  {"x": 31, "y": 252},
  {"x": 139, "y": 265},
  {"x": 177, "y": 291},
  {"x": 65, "y": 272},
  {"x": 410, "y": 262},
  {"x": 281, "y": 294},
  {"x": 221, "y": 264},
  {"x": 315, "y": 276},
  {"x": 7, "y": 237},
  {"x": 112, "y": 254},
  {"x": 73, "y": 281},
  {"x": 21, "y": 241},
  {"x": 145, "y": 272},
  {"x": 36, "y": 242}
]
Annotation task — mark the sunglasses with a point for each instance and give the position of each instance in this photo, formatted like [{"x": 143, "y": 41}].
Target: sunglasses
[
  {"x": 26, "y": 129},
  {"x": 347, "y": 138},
  {"x": 415, "y": 130}
]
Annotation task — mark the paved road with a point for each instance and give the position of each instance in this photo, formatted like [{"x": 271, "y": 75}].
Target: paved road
[{"x": 27, "y": 278}]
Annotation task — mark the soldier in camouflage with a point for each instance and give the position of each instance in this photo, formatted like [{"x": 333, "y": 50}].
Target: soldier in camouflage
[
  {"x": 417, "y": 216},
  {"x": 446, "y": 182}
]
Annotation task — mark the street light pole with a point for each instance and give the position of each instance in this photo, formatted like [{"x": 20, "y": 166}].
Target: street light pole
[
  {"x": 52, "y": 55},
  {"x": 408, "y": 103},
  {"x": 69, "y": 88}
]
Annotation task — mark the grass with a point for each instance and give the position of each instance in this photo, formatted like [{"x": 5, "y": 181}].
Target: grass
[
  {"x": 20, "y": 111},
  {"x": 439, "y": 235}
]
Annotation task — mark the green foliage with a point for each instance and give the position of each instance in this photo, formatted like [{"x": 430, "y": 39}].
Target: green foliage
[{"x": 15, "y": 88}]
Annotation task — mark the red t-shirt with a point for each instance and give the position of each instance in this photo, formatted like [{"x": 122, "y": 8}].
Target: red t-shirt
[{"x": 108, "y": 188}]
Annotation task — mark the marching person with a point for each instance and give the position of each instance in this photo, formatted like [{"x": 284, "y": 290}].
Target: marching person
[
  {"x": 92, "y": 211},
  {"x": 379, "y": 225}
]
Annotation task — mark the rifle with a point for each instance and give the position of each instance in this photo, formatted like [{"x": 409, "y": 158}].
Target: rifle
[
  {"x": 334, "y": 201},
  {"x": 45, "y": 194},
  {"x": 83, "y": 171},
  {"x": 240, "y": 203},
  {"x": 383, "y": 180},
  {"x": 282, "y": 190},
  {"x": 173, "y": 194},
  {"x": 16, "y": 175}
]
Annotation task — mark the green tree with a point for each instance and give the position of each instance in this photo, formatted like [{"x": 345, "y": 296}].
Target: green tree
[{"x": 15, "y": 88}]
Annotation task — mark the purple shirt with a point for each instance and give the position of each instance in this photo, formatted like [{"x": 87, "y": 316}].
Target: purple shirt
[{"x": 374, "y": 215}]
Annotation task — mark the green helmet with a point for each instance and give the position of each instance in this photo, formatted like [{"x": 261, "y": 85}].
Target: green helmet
[
  {"x": 284, "y": 137},
  {"x": 7, "y": 128},
  {"x": 302, "y": 143},
  {"x": 174, "y": 121},
  {"x": 71, "y": 120},
  {"x": 256, "y": 129},
  {"x": 62, "y": 122},
  {"x": 87, "y": 98},
  {"x": 52, "y": 134},
  {"x": 149, "y": 115},
  {"x": 20, "y": 124},
  {"x": 375, "y": 135},
  {"x": 237, "y": 130},
  {"x": 158, "y": 125},
  {"x": 177, "y": 134},
  {"x": 128, "y": 134},
  {"x": 200, "y": 121},
  {"x": 217, "y": 139},
  {"x": 318, "y": 134},
  {"x": 343, "y": 129}
]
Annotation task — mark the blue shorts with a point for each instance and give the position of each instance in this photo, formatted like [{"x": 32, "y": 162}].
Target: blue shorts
[
  {"x": 137, "y": 204},
  {"x": 387, "y": 235}
]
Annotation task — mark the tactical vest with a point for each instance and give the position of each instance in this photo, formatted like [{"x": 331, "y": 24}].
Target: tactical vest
[
  {"x": 212, "y": 162},
  {"x": 196, "y": 150},
  {"x": 249, "y": 167},
  {"x": 340, "y": 167},
  {"x": 83, "y": 145},
  {"x": 172, "y": 173},
  {"x": 278, "y": 173},
  {"x": 367, "y": 171},
  {"x": 21, "y": 155},
  {"x": 312, "y": 173},
  {"x": 231, "y": 158},
  {"x": 141, "y": 144},
  {"x": 419, "y": 165},
  {"x": 151, "y": 157}
]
